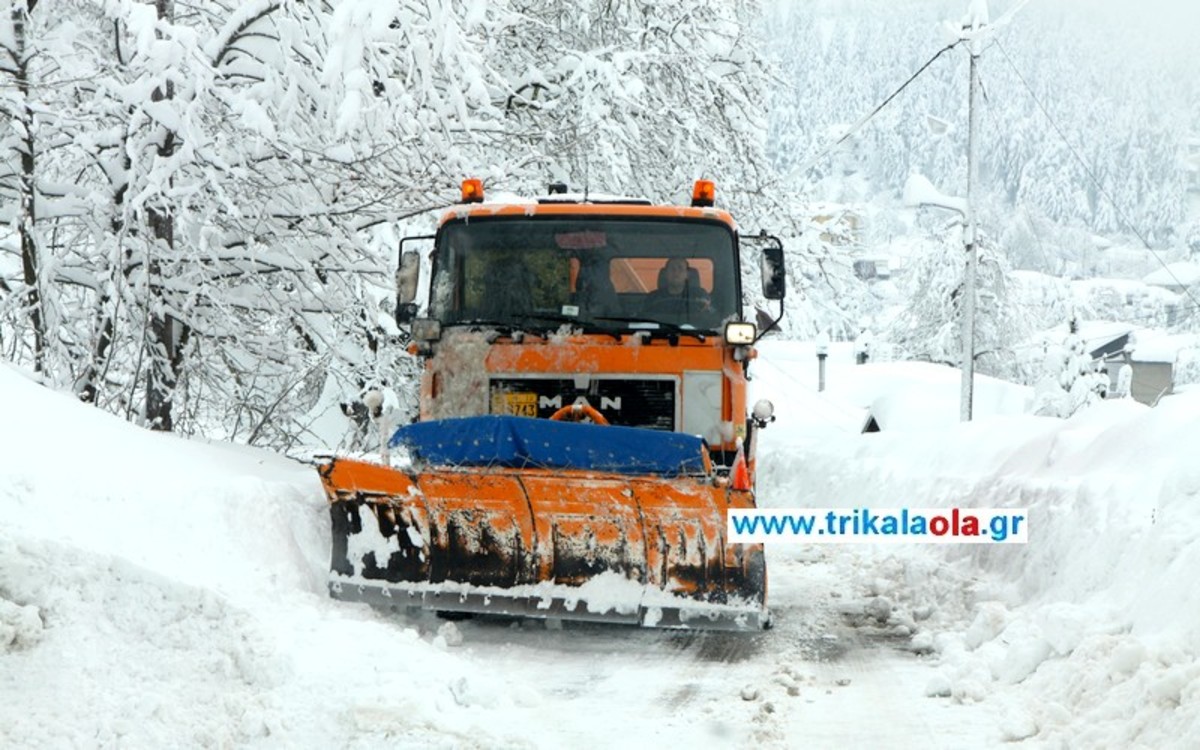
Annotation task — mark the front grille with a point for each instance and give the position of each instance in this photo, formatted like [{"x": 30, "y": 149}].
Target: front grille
[{"x": 630, "y": 403}]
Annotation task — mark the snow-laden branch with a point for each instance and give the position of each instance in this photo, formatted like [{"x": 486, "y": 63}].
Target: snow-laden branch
[{"x": 245, "y": 16}]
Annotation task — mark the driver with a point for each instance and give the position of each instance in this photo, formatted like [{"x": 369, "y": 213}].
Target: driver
[{"x": 674, "y": 294}]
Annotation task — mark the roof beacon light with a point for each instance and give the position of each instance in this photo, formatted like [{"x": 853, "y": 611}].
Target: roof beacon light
[
  {"x": 472, "y": 190},
  {"x": 704, "y": 193}
]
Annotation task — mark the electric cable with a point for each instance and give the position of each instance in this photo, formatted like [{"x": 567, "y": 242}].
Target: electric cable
[
  {"x": 869, "y": 116},
  {"x": 1092, "y": 176}
]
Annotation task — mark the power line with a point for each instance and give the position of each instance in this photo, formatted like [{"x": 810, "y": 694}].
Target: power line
[
  {"x": 1033, "y": 230},
  {"x": 1092, "y": 176},
  {"x": 867, "y": 118},
  {"x": 1142, "y": 317},
  {"x": 1156, "y": 317},
  {"x": 1180, "y": 309}
]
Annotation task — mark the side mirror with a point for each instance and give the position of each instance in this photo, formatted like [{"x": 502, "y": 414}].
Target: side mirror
[
  {"x": 407, "y": 277},
  {"x": 774, "y": 279},
  {"x": 406, "y": 313}
]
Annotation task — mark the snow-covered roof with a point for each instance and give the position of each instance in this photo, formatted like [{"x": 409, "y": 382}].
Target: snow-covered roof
[
  {"x": 919, "y": 191},
  {"x": 1160, "y": 346},
  {"x": 1122, "y": 286},
  {"x": 1093, "y": 333},
  {"x": 501, "y": 198},
  {"x": 925, "y": 396},
  {"x": 1183, "y": 273},
  {"x": 899, "y": 395},
  {"x": 1145, "y": 344}
]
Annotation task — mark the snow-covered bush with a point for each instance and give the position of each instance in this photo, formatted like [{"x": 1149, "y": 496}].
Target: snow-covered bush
[{"x": 1070, "y": 379}]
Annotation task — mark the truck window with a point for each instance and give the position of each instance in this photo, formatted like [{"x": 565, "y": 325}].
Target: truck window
[{"x": 603, "y": 272}]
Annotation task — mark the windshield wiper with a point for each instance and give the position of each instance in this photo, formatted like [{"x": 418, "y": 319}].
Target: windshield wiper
[
  {"x": 484, "y": 323},
  {"x": 502, "y": 327},
  {"x": 525, "y": 323},
  {"x": 556, "y": 317},
  {"x": 583, "y": 323},
  {"x": 663, "y": 326}
]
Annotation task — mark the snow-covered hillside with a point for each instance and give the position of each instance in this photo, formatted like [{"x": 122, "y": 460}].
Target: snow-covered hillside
[{"x": 157, "y": 592}]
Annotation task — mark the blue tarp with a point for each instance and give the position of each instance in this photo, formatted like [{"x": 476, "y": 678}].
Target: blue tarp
[{"x": 522, "y": 441}]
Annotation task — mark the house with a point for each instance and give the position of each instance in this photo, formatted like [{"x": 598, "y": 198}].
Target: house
[
  {"x": 1151, "y": 380},
  {"x": 1152, "y": 356},
  {"x": 839, "y": 225},
  {"x": 870, "y": 267},
  {"x": 843, "y": 227}
]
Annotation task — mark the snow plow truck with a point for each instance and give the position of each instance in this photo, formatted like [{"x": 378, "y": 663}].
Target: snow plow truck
[{"x": 583, "y": 427}]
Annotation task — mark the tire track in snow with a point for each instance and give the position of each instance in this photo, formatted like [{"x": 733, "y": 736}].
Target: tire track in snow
[{"x": 830, "y": 673}]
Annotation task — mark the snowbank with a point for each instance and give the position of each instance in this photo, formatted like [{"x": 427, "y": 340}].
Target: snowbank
[
  {"x": 899, "y": 395},
  {"x": 156, "y": 592},
  {"x": 1087, "y": 635}
]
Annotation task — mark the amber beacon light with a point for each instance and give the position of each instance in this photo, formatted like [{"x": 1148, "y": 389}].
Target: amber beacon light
[
  {"x": 472, "y": 191},
  {"x": 704, "y": 193}
]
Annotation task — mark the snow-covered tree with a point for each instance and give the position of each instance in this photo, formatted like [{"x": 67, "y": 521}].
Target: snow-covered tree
[
  {"x": 930, "y": 326},
  {"x": 823, "y": 292},
  {"x": 1079, "y": 123},
  {"x": 1070, "y": 379},
  {"x": 638, "y": 97},
  {"x": 1191, "y": 240},
  {"x": 202, "y": 201},
  {"x": 23, "y": 70},
  {"x": 214, "y": 185}
]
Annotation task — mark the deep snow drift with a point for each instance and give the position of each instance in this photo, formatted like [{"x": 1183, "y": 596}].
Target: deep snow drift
[
  {"x": 156, "y": 592},
  {"x": 1088, "y": 635}
]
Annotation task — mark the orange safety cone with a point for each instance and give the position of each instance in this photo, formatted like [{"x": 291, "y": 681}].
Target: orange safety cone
[{"x": 740, "y": 472}]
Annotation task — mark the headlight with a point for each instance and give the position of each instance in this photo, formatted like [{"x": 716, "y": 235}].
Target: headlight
[
  {"x": 426, "y": 329},
  {"x": 740, "y": 333}
]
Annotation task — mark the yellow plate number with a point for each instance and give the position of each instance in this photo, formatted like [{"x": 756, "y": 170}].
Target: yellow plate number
[{"x": 516, "y": 404}]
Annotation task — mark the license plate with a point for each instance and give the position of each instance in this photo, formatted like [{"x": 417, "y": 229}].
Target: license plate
[{"x": 516, "y": 404}]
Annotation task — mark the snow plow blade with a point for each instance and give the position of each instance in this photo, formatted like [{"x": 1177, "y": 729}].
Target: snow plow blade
[{"x": 557, "y": 542}]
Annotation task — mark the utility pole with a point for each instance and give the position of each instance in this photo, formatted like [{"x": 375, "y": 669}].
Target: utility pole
[
  {"x": 973, "y": 29},
  {"x": 918, "y": 191}
]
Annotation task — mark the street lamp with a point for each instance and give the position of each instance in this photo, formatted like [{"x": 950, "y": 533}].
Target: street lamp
[
  {"x": 822, "y": 353},
  {"x": 920, "y": 192}
]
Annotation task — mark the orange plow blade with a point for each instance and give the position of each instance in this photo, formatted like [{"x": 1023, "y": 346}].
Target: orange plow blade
[{"x": 569, "y": 544}]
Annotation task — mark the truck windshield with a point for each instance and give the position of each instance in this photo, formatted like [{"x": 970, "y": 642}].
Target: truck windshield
[{"x": 612, "y": 274}]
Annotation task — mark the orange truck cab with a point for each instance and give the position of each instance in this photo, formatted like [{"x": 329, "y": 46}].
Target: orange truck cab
[{"x": 632, "y": 310}]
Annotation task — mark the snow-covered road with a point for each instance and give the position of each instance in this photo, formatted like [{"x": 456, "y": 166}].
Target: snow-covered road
[
  {"x": 831, "y": 671},
  {"x": 826, "y": 676}
]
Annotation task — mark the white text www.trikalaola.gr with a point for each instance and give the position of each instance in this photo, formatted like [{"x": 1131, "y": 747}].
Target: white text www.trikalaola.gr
[{"x": 890, "y": 525}]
